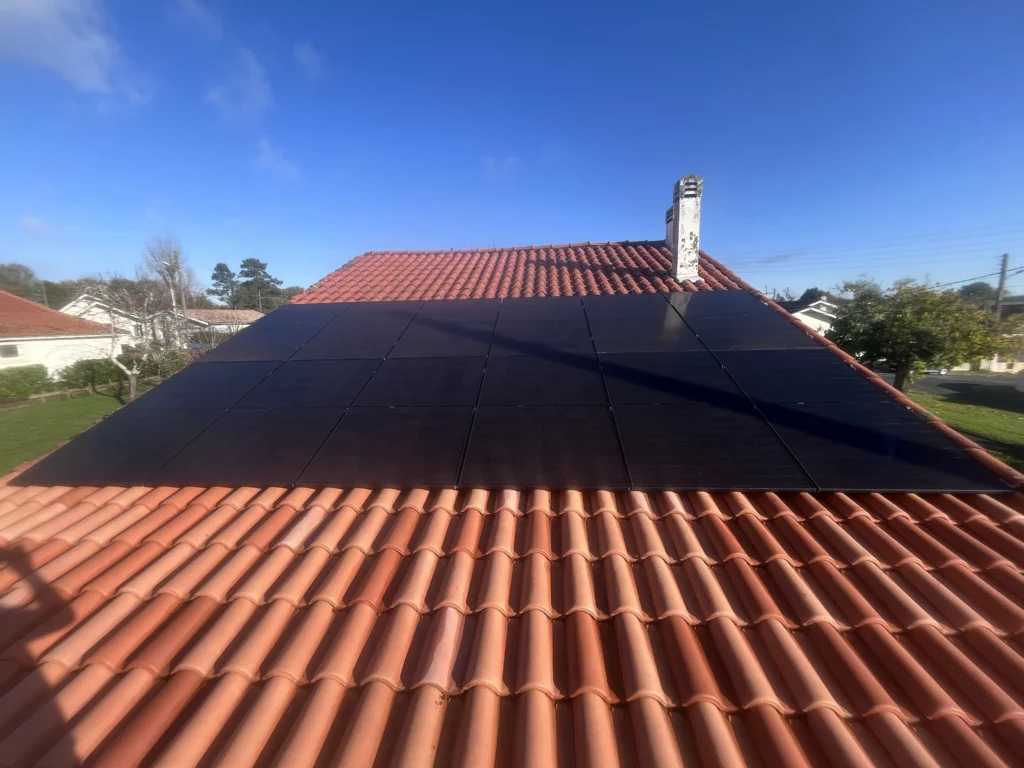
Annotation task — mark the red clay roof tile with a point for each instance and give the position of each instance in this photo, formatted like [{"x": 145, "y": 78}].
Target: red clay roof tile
[{"x": 23, "y": 318}]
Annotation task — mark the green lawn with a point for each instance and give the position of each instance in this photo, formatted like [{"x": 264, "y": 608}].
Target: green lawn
[
  {"x": 33, "y": 430},
  {"x": 1006, "y": 427}
]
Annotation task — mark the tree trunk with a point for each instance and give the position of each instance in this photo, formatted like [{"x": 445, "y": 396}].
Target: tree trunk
[
  {"x": 132, "y": 381},
  {"x": 902, "y": 380}
]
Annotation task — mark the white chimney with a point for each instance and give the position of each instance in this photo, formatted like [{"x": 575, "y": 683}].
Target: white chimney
[{"x": 682, "y": 227}]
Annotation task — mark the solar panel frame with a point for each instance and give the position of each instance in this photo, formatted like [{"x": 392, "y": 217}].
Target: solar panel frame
[
  {"x": 644, "y": 334},
  {"x": 424, "y": 381},
  {"x": 539, "y": 447},
  {"x": 254, "y": 447},
  {"x": 388, "y": 447},
  {"x": 311, "y": 384},
  {"x": 548, "y": 380},
  {"x": 664, "y": 378},
  {"x": 704, "y": 303},
  {"x": 343, "y": 340},
  {"x": 542, "y": 338},
  {"x": 600, "y": 307},
  {"x": 798, "y": 375},
  {"x": 218, "y": 386},
  {"x": 875, "y": 446},
  {"x": 706, "y": 447},
  {"x": 277, "y": 336},
  {"x": 443, "y": 336},
  {"x": 126, "y": 448},
  {"x": 749, "y": 331}
]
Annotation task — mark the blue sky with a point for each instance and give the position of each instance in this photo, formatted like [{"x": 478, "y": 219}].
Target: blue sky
[{"x": 835, "y": 140}]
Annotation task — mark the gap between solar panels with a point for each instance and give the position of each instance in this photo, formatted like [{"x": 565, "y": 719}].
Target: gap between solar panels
[{"x": 708, "y": 391}]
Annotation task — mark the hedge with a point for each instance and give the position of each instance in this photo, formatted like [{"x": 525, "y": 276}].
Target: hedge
[
  {"x": 23, "y": 381},
  {"x": 90, "y": 373}
]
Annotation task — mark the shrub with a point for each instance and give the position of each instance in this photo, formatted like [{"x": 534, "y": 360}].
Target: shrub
[
  {"x": 164, "y": 363},
  {"x": 23, "y": 381},
  {"x": 90, "y": 373}
]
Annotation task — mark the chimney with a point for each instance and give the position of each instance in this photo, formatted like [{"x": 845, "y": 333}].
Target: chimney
[{"x": 682, "y": 227}]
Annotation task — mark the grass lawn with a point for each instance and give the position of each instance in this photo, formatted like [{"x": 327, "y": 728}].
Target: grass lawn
[
  {"x": 33, "y": 430},
  {"x": 1006, "y": 427}
]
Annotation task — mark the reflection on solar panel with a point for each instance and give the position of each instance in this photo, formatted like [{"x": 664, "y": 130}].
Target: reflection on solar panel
[{"x": 707, "y": 390}]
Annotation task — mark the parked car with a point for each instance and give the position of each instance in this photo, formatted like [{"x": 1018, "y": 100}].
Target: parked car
[{"x": 937, "y": 371}]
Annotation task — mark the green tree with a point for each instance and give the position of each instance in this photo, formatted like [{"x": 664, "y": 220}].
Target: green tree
[
  {"x": 19, "y": 280},
  {"x": 811, "y": 294},
  {"x": 910, "y": 328},
  {"x": 291, "y": 292},
  {"x": 981, "y": 293},
  {"x": 225, "y": 286},
  {"x": 257, "y": 288}
]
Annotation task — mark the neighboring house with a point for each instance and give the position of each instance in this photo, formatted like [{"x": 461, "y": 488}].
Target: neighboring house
[
  {"x": 159, "y": 327},
  {"x": 816, "y": 315},
  {"x": 221, "y": 321},
  {"x": 130, "y": 326},
  {"x": 233, "y": 624},
  {"x": 32, "y": 334}
]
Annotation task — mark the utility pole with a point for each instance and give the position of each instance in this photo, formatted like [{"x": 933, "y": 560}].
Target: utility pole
[
  {"x": 1000, "y": 293},
  {"x": 42, "y": 285},
  {"x": 259, "y": 296}
]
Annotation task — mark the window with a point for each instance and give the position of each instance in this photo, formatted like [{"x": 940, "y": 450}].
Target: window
[
  {"x": 8, "y": 350},
  {"x": 127, "y": 349},
  {"x": 138, "y": 329}
]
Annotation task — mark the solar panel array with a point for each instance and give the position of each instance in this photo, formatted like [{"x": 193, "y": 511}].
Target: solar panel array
[{"x": 708, "y": 390}]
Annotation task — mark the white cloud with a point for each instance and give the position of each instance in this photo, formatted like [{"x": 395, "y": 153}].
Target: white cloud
[
  {"x": 500, "y": 167},
  {"x": 244, "y": 91},
  {"x": 34, "y": 225},
  {"x": 67, "y": 37},
  {"x": 310, "y": 59},
  {"x": 201, "y": 18},
  {"x": 273, "y": 162}
]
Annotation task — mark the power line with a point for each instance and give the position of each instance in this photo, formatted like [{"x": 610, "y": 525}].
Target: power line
[
  {"x": 868, "y": 244},
  {"x": 883, "y": 251}
]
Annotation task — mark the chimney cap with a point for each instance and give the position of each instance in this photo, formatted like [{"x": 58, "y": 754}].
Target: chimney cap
[{"x": 689, "y": 186}]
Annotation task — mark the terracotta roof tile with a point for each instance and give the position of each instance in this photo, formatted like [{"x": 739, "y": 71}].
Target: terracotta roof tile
[
  {"x": 23, "y": 318},
  {"x": 362, "y": 626},
  {"x": 559, "y": 270}
]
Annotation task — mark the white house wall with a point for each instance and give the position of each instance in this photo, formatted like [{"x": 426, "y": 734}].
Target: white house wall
[
  {"x": 89, "y": 310},
  {"x": 55, "y": 352}
]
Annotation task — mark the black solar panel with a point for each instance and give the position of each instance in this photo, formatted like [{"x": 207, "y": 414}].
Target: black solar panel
[
  {"x": 425, "y": 381},
  {"x": 754, "y": 330},
  {"x": 469, "y": 311},
  {"x": 311, "y": 384},
  {"x": 684, "y": 378},
  {"x": 126, "y": 448},
  {"x": 628, "y": 305},
  {"x": 875, "y": 447},
  {"x": 352, "y": 338},
  {"x": 543, "y": 446},
  {"x": 702, "y": 303},
  {"x": 206, "y": 386},
  {"x": 442, "y": 336},
  {"x": 542, "y": 337},
  {"x": 255, "y": 447},
  {"x": 599, "y": 392},
  {"x": 551, "y": 380},
  {"x": 276, "y": 336},
  {"x": 644, "y": 334},
  {"x": 704, "y": 446},
  {"x": 799, "y": 376},
  {"x": 397, "y": 447},
  {"x": 562, "y": 308}
]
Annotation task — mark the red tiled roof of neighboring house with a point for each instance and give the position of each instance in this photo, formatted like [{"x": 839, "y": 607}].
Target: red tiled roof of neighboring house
[
  {"x": 20, "y": 317},
  {"x": 224, "y": 316},
  {"x": 379, "y": 626}
]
